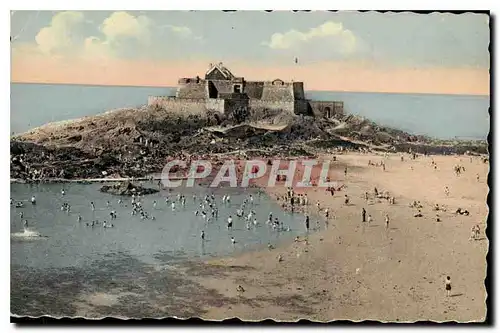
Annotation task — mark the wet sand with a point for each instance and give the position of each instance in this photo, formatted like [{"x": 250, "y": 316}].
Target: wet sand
[{"x": 356, "y": 271}]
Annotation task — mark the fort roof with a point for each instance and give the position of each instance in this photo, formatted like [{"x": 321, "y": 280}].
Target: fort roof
[{"x": 226, "y": 72}]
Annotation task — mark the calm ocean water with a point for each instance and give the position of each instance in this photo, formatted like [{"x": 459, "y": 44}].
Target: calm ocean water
[
  {"x": 441, "y": 116},
  {"x": 135, "y": 258}
]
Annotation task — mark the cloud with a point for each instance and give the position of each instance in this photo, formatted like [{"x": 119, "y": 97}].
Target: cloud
[
  {"x": 123, "y": 25},
  {"x": 182, "y": 32},
  {"x": 62, "y": 35},
  {"x": 120, "y": 35},
  {"x": 329, "y": 32}
]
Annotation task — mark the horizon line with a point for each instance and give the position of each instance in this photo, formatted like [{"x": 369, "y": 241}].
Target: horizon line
[{"x": 312, "y": 90}]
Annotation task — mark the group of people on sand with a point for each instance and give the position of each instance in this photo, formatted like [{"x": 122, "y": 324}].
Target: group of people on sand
[
  {"x": 377, "y": 164},
  {"x": 475, "y": 232},
  {"x": 380, "y": 195}
]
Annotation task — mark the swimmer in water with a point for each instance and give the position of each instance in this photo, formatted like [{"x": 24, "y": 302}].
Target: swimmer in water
[
  {"x": 229, "y": 222},
  {"x": 33, "y": 200},
  {"x": 232, "y": 240},
  {"x": 92, "y": 205},
  {"x": 63, "y": 192}
]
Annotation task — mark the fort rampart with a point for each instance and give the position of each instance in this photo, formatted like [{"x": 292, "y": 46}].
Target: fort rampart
[{"x": 222, "y": 92}]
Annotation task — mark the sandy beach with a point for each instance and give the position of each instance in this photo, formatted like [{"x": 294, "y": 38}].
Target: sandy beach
[{"x": 360, "y": 271}]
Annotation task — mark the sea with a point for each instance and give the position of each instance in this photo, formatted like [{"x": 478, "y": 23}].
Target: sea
[
  {"x": 60, "y": 263},
  {"x": 61, "y": 266},
  {"x": 439, "y": 116}
]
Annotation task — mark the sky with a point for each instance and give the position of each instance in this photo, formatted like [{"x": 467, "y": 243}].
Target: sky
[{"x": 438, "y": 53}]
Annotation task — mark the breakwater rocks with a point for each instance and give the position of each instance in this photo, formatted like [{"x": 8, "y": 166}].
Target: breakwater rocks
[{"x": 128, "y": 189}]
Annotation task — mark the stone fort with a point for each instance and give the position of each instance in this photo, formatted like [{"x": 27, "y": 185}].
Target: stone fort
[{"x": 222, "y": 92}]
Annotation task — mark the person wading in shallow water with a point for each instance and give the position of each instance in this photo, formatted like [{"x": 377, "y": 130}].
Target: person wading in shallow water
[
  {"x": 307, "y": 222},
  {"x": 363, "y": 215}
]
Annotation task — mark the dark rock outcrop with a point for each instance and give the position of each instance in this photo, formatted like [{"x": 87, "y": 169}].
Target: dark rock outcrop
[{"x": 127, "y": 188}]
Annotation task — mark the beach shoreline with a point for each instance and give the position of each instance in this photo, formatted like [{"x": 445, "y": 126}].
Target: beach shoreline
[{"x": 357, "y": 272}]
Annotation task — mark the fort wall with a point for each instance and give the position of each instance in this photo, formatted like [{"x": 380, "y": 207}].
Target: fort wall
[
  {"x": 223, "y": 92},
  {"x": 276, "y": 92},
  {"x": 326, "y": 109},
  {"x": 254, "y": 89},
  {"x": 271, "y": 105},
  {"x": 298, "y": 90},
  {"x": 216, "y": 104},
  {"x": 233, "y": 104},
  {"x": 223, "y": 87},
  {"x": 191, "y": 90},
  {"x": 187, "y": 106},
  {"x": 302, "y": 107}
]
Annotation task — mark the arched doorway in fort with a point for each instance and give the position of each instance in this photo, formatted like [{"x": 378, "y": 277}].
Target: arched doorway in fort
[
  {"x": 328, "y": 112},
  {"x": 212, "y": 90}
]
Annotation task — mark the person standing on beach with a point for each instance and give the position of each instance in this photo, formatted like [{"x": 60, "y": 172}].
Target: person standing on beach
[
  {"x": 387, "y": 221},
  {"x": 345, "y": 171},
  {"x": 307, "y": 223},
  {"x": 363, "y": 215},
  {"x": 447, "y": 285}
]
